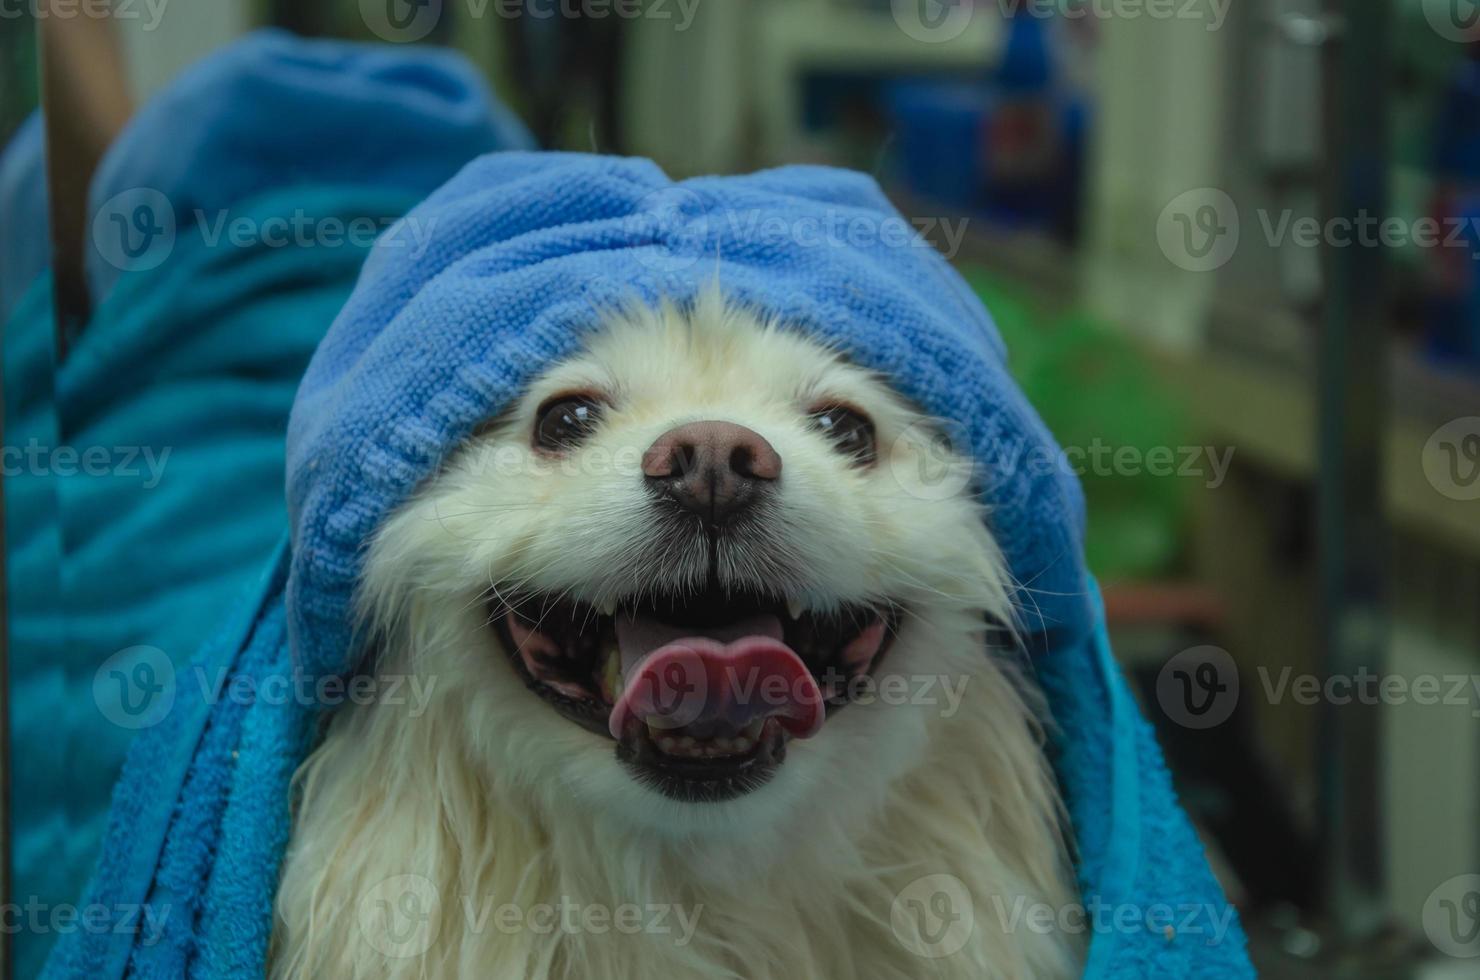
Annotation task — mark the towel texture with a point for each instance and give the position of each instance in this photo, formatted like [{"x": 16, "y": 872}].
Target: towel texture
[
  {"x": 144, "y": 477},
  {"x": 522, "y": 252}
]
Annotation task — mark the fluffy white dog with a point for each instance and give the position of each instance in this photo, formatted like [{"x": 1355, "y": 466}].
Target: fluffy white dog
[{"x": 716, "y": 691}]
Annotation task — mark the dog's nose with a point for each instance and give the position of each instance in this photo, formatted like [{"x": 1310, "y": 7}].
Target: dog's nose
[{"x": 715, "y": 469}]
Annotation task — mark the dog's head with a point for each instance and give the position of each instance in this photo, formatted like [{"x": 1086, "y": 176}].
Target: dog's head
[{"x": 693, "y": 579}]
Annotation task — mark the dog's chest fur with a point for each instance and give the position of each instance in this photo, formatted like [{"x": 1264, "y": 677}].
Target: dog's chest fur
[
  {"x": 442, "y": 874},
  {"x": 479, "y": 833}
]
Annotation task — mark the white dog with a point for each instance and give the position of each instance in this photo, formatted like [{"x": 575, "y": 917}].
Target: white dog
[{"x": 713, "y": 693}]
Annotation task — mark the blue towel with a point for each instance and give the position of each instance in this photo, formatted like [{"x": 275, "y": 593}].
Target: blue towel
[
  {"x": 183, "y": 380},
  {"x": 526, "y": 247}
]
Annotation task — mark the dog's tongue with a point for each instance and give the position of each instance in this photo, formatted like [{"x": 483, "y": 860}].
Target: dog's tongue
[{"x": 724, "y": 678}]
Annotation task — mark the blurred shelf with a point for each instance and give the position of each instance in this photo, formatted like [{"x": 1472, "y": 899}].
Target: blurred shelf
[
  {"x": 796, "y": 37},
  {"x": 1260, "y": 398},
  {"x": 819, "y": 33},
  {"x": 1268, "y": 411}
]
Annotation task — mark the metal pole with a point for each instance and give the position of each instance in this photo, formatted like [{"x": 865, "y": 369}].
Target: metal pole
[
  {"x": 6, "y": 961},
  {"x": 1352, "y": 401}
]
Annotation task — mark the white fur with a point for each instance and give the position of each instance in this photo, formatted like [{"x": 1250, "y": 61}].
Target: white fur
[{"x": 496, "y": 807}]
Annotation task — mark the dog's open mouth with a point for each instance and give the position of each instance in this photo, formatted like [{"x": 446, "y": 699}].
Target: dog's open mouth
[{"x": 701, "y": 692}]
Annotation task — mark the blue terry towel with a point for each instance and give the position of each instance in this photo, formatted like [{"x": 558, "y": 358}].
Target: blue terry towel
[
  {"x": 527, "y": 247},
  {"x": 182, "y": 382}
]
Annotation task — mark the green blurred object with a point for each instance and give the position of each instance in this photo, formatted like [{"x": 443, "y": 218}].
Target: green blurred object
[
  {"x": 1097, "y": 394},
  {"x": 19, "y": 93}
]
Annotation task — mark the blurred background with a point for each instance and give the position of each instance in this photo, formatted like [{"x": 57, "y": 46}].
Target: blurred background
[{"x": 1235, "y": 252}]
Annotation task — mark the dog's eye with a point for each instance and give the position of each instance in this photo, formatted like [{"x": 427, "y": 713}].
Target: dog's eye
[
  {"x": 565, "y": 421},
  {"x": 851, "y": 432}
]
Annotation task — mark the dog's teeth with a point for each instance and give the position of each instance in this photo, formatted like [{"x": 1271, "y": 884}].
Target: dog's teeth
[
  {"x": 608, "y": 607},
  {"x": 753, "y": 730},
  {"x": 794, "y": 608},
  {"x": 668, "y": 744}
]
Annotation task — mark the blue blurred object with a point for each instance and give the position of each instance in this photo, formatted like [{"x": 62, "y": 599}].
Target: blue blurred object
[
  {"x": 182, "y": 383},
  {"x": 25, "y": 226},
  {"x": 1027, "y": 61},
  {"x": 1007, "y": 146},
  {"x": 530, "y": 248},
  {"x": 939, "y": 128},
  {"x": 1457, "y": 337},
  {"x": 1454, "y": 305}
]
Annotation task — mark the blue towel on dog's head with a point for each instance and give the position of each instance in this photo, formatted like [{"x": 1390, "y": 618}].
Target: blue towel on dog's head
[
  {"x": 520, "y": 252},
  {"x": 526, "y": 247}
]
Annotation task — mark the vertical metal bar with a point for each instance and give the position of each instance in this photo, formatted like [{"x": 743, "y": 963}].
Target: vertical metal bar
[
  {"x": 1352, "y": 400},
  {"x": 6, "y": 961}
]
